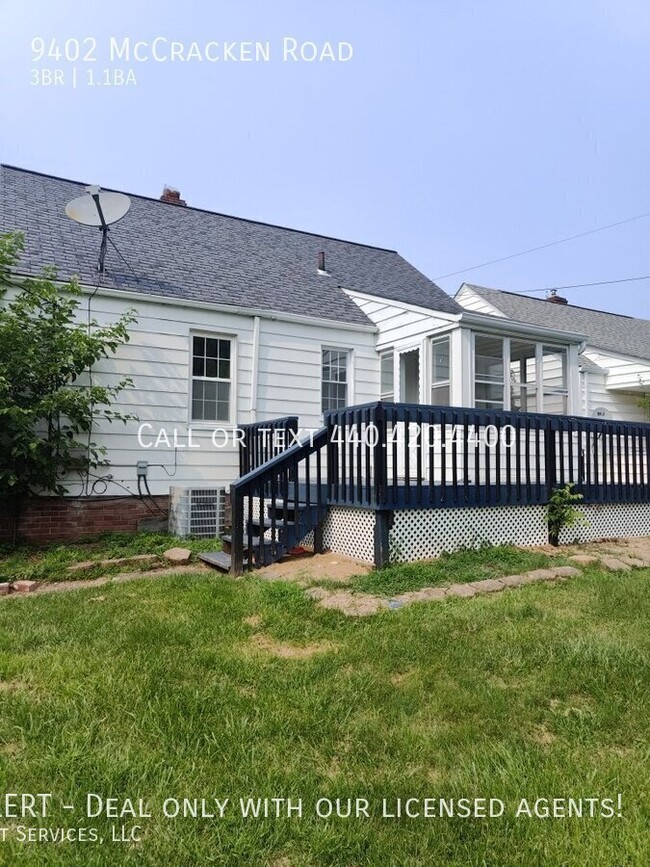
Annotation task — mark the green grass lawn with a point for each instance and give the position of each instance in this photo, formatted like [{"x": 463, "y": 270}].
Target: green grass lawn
[
  {"x": 470, "y": 564},
  {"x": 51, "y": 562},
  {"x": 171, "y": 688}
]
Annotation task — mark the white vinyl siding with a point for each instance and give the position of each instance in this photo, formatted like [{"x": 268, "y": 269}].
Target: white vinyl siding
[
  {"x": 158, "y": 358},
  {"x": 387, "y": 375}
]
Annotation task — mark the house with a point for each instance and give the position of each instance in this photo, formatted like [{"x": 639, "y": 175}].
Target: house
[
  {"x": 246, "y": 325},
  {"x": 613, "y": 365}
]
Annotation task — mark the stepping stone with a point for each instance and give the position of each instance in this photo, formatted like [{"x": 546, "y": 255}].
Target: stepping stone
[
  {"x": 178, "y": 555},
  {"x": 24, "y": 586},
  {"x": 566, "y": 571},
  {"x": 615, "y": 565},
  {"x": 584, "y": 559},
  {"x": 634, "y": 562},
  {"x": 4, "y": 589},
  {"x": 539, "y": 575},
  {"x": 433, "y": 593},
  {"x": 487, "y": 585},
  {"x": 463, "y": 590},
  {"x": 512, "y": 580}
]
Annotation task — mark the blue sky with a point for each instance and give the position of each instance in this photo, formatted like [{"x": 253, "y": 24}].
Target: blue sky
[{"x": 460, "y": 132}]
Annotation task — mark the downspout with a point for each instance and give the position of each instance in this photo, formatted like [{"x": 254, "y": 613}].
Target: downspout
[{"x": 254, "y": 373}]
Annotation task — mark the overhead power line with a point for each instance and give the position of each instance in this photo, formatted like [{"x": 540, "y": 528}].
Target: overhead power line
[
  {"x": 585, "y": 285},
  {"x": 544, "y": 247}
]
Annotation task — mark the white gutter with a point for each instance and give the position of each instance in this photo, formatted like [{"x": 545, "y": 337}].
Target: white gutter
[
  {"x": 512, "y": 326},
  {"x": 254, "y": 375}
]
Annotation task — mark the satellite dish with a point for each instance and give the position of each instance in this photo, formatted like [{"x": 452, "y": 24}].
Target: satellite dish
[{"x": 98, "y": 208}]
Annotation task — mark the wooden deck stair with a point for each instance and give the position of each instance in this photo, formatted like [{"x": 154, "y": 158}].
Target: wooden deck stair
[{"x": 274, "y": 506}]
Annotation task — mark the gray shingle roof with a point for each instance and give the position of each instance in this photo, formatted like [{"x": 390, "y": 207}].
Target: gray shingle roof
[
  {"x": 614, "y": 332},
  {"x": 200, "y": 255}
]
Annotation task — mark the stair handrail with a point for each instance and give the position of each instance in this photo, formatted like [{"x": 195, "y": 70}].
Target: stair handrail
[{"x": 265, "y": 478}]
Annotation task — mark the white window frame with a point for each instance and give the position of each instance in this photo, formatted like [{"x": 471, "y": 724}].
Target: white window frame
[
  {"x": 388, "y": 396},
  {"x": 232, "y": 403},
  {"x": 540, "y": 346},
  {"x": 349, "y": 395},
  {"x": 442, "y": 382}
]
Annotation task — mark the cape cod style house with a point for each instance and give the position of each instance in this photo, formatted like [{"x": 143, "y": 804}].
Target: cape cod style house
[{"x": 245, "y": 326}]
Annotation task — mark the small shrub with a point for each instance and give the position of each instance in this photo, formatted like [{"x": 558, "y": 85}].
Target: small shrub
[{"x": 561, "y": 512}]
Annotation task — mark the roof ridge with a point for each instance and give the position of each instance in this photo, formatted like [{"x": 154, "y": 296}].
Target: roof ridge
[
  {"x": 207, "y": 211},
  {"x": 563, "y": 306}
]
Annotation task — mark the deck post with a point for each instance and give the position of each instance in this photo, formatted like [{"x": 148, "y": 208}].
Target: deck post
[
  {"x": 237, "y": 552},
  {"x": 318, "y": 538},
  {"x": 383, "y": 523}
]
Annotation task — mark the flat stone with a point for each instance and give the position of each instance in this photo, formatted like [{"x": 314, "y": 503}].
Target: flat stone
[
  {"x": 24, "y": 586},
  {"x": 487, "y": 585},
  {"x": 463, "y": 590},
  {"x": 512, "y": 580},
  {"x": 566, "y": 571},
  {"x": 615, "y": 565},
  {"x": 584, "y": 559},
  {"x": 178, "y": 555},
  {"x": 539, "y": 575},
  {"x": 433, "y": 594},
  {"x": 4, "y": 589},
  {"x": 634, "y": 562}
]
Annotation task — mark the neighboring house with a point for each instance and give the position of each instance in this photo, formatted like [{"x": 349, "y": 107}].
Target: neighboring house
[
  {"x": 240, "y": 323},
  {"x": 613, "y": 365}
]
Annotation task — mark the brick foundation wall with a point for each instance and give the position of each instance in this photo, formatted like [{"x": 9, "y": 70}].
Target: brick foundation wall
[{"x": 51, "y": 519}]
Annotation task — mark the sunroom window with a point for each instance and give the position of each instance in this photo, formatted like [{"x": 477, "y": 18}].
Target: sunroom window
[
  {"x": 523, "y": 375},
  {"x": 555, "y": 392},
  {"x": 387, "y": 366},
  {"x": 488, "y": 372},
  {"x": 440, "y": 372}
]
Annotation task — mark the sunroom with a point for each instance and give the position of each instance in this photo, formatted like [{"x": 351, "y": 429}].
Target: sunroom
[{"x": 477, "y": 362}]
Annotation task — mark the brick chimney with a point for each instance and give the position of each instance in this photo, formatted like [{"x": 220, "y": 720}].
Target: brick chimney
[
  {"x": 172, "y": 196},
  {"x": 554, "y": 298}
]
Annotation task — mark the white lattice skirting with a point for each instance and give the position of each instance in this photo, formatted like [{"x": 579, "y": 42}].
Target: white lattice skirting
[
  {"x": 607, "y": 521},
  {"x": 424, "y": 533},
  {"x": 421, "y": 534},
  {"x": 348, "y": 531}
]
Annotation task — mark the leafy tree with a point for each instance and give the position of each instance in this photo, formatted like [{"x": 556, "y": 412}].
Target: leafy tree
[{"x": 48, "y": 399}]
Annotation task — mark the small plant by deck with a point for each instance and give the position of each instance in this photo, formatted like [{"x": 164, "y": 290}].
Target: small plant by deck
[{"x": 561, "y": 512}]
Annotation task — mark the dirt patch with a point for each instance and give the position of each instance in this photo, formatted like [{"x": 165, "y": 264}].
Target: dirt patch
[
  {"x": 354, "y": 604},
  {"x": 320, "y": 567},
  {"x": 12, "y": 685},
  {"x": 12, "y": 748},
  {"x": 401, "y": 677},
  {"x": 254, "y": 621},
  {"x": 543, "y": 736},
  {"x": 289, "y": 651}
]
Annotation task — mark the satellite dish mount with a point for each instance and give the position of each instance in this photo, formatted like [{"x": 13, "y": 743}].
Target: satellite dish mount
[{"x": 99, "y": 209}]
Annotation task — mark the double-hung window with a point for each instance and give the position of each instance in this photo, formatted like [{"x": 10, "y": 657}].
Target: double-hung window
[
  {"x": 334, "y": 378},
  {"x": 211, "y": 378}
]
